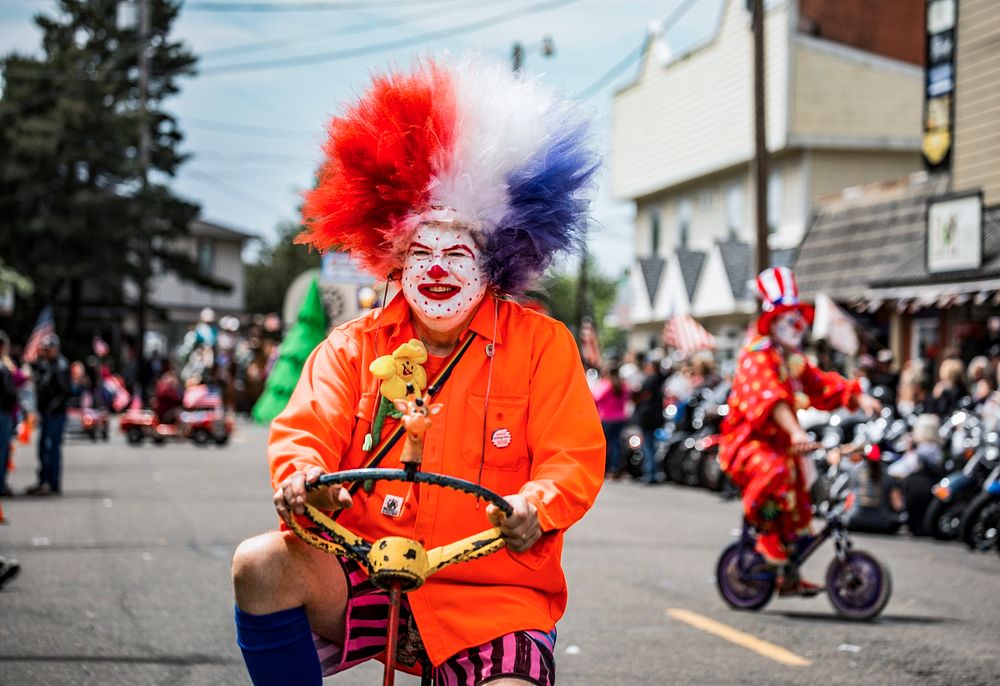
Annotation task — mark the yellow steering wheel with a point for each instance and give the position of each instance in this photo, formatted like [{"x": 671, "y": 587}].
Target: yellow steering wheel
[{"x": 397, "y": 564}]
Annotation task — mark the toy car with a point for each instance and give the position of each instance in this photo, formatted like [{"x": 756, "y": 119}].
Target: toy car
[
  {"x": 198, "y": 425},
  {"x": 89, "y": 422}
]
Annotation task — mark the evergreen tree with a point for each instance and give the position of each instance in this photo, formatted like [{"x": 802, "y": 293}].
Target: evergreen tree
[
  {"x": 276, "y": 267},
  {"x": 73, "y": 214},
  {"x": 308, "y": 331}
]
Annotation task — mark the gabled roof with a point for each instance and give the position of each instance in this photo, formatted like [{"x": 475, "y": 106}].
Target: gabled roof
[
  {"x": 862, "y": 234},
  {"x": 200, "y": 227},
  {"x": 652, "y": 271},
  {"x": 737, "y": 256},
  {"x": 691, "y": 262}
]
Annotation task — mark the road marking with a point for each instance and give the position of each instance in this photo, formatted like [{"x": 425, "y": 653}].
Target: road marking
[{"x": 744, "y": 640}]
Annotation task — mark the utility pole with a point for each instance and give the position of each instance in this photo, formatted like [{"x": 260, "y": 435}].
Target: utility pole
[
  {"x": 517, "y": 58},
  {"x": 144, "y": 154},
  {"x": 760, "y": 153}
]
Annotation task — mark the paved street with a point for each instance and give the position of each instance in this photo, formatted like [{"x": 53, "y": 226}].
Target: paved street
[{"x": 126, "y": 581}]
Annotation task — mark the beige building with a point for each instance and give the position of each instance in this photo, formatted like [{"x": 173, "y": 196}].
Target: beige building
[
  {"x": 872, "y": 247},
  {"x": 217, "y": 250},
  {"x": 977, "y": 101},
  {"x": 839, "y": 113}
]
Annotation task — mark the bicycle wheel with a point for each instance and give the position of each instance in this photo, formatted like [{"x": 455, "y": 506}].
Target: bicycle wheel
[
  {"x": 859, "y": 587},
  {"x": 744, "y": 580}
]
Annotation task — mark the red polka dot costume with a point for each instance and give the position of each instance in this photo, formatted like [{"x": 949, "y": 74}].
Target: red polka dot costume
[{"x": 754, "y": 451}]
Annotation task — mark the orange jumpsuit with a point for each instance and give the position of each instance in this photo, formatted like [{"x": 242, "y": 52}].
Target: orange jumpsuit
[
  {"x": 753, "y": 451},
  {"x": 553, "y": 455}
]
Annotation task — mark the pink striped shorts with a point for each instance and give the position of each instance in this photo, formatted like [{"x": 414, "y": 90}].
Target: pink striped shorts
[{"x": 526, "y": 655}]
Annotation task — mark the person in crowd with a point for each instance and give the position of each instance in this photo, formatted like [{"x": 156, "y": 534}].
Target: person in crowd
[
  {"x": 980, "y": 378},
  {"x": 950, "y": 389},
  {"x": 79, "y": 386},
  {"x": 479, "y": 181},
  {"x": 878, "y": 503},
  {"x": 168, "y": 395},
  {"x": 761, "y": 435},
  {"x": 911, "y": 393},
  {"x": 52, "y": 390},
  {"x": 883, "y": 375},
  {"x": 648, "y": 412},
  {"x": 918, "y": 469},
  {"x": 8, "y": 409},
  {"x": 704, "y": 371},
  {"x": 612, "y": 398}
]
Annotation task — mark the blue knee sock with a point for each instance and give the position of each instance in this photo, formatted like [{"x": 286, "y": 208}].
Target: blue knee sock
[{"x": 278, "y": 648}]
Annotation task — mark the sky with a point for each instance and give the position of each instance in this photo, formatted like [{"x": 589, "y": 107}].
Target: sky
[{"x": 255, "y": 133}]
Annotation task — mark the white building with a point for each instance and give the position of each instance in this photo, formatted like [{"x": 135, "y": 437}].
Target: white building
[{"x": 683, "y": 143}]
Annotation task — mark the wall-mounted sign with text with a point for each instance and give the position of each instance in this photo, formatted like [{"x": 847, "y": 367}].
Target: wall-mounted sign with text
[
  {"x": 955, "y": 232},
  {"x": 939, "y": 93}
]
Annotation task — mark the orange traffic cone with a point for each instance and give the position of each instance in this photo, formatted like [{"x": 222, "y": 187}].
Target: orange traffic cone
[{"x": 2, "y": 520}]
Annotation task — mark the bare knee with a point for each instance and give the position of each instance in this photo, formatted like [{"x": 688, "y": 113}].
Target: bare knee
[{"x": 262, "y": 567}]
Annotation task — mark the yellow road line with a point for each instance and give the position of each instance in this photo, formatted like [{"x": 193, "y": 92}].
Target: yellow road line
[{"x": 744, "y": 640}]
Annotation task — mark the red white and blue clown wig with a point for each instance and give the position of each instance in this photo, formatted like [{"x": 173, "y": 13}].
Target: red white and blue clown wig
[{"x": 461, "y": 141}]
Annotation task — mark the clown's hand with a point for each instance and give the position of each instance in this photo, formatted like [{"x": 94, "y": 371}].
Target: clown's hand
[
  {"x": 291, "y": 496},
  {"x": 869, "y": 405},
  {"x": 521, "y": 529}
]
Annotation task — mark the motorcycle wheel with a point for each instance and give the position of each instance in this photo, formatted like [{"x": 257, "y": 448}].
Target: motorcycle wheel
[
  {"x": 858, "y": 588},
  {"x": 981, "y": 521},
  {"x": 201, "y": 436},
  {"x": 744, "y": 580},
  {"x": 672, "y": 463},
  {"x": 710, "y": 471},
  {"x": 134, "y": 435},
  {"x": 690, "y": 466},
  {"x": 943, "y": 520}
]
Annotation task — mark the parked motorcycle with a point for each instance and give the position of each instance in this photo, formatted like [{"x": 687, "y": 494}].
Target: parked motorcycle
[
  {"x": 981, "y": 519},
  {"x": 953, "y": 493}
]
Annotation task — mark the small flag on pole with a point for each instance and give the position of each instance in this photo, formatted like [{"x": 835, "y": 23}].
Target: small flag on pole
[
  {"x": 43, "y": 327},
  {"x": 686, "y": 335}
]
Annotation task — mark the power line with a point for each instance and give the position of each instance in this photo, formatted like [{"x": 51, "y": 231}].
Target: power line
[
  {"x": 236, "y": 193},
  {"x": 635, "y": 54},
  {"x": 347, "y": 30},
  {"x": 303, "y": 6},
  {"x": 250, "y": 129},
  {"x": 331, "y": 56}
]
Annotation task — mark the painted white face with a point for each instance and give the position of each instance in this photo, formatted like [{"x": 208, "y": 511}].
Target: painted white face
[
  {"x": 788, "y": 329},
  {"x": 442, "y": 280}
]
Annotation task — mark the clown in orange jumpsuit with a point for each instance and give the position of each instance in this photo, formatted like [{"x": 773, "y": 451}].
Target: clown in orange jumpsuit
[
  {"x": 461, "y": 203},
  {"x": 761, "y": 434}
]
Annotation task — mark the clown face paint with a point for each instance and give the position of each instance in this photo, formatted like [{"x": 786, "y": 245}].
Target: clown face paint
[
  {"x": 442, "y": 280},
  {"x": 788, "y": 329}
]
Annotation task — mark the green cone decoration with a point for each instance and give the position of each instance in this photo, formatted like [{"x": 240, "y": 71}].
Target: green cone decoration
[{"x": 308, "y": 332}]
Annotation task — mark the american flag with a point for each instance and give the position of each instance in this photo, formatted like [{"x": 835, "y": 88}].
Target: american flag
[
  {"x": 686, "y": 335},
  {"x": 43, "y": 327},
  {"x": 202, "y": 397}
]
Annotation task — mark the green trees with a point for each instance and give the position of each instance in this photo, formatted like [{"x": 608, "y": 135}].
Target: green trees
[
  {"x": 71, "y": 191},
  {"x": 276, "y": 267},
  {"x": 308, "y": 331}
]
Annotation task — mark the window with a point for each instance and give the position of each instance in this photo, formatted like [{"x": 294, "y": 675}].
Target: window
[
  {"x": 683, "y": 221},
  {"x": 774, "y": 200},
  {"x": 654, "y": 231},
  {"x": 734, "y": 210},
  {"x": 206, "y": 256}
]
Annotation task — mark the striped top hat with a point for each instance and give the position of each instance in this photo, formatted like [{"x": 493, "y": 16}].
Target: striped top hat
[{"x": 779, "y": 292}]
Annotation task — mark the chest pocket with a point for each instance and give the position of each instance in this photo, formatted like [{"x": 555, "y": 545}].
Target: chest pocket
[{"x": 506, "y": 438}]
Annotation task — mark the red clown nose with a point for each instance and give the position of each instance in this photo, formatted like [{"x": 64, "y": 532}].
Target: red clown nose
[{"x": 437, "y": 272}]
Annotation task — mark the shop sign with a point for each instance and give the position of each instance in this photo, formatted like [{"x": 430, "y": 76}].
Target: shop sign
[
  {"x": 939, "y": 93},
  {"x": 955, "y": 232}
]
